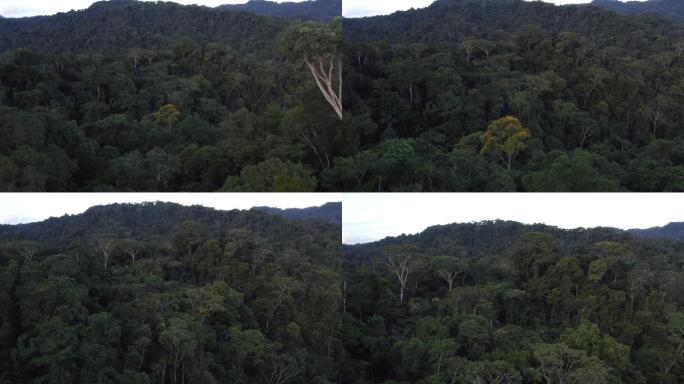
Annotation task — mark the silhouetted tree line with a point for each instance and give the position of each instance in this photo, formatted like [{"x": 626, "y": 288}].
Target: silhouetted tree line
[
  {"x": 671, "y": 9},
  {"x": 323, "y": 10}
]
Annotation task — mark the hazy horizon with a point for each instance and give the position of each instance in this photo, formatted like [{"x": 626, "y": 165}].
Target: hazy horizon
[
  {"x": 363, "y": 8},
  {"x": 350, "y": 8},
  {"x": 368, "y": 218},
  {"x": 28, "y": 8},
  {"x": 21, "y": 208}
]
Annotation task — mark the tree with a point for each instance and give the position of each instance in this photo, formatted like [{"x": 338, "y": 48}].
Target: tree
[
  {"x": 449, "y": 277},
  {"x": 505, "y": 138},
  {"x": 587, "y": 337},
  {"x": 249, "y": 349},
  {"x": 533, "y": 253},
  {"x": 273, "y": 175},
  {"x": 189, "y": 236},
  {"x": 27, "y": 249},
  {"x": 162, "y": 165},
  {"x": 99, "y": 348},
  {"x": 213, "y": 299},
  {"x": 282, "y": 372},
  {"x": 168, "y": 115},
  {"x": 558, "y": 363},
  {"x": 318, "y": 45},
  {"x": 574, "y": 171},
  {"x": 486, "y": 46},
  {"x": 142, "y": 335},
  {"x": 491, "y": 372},
  {"x": 656, "y": 113},
  {"x": 132, "y": 248},
  {"x": 448, "y": 270},
  {"x": 139, "y": 53},
  {"x": 468, "y": 45},
  {"x": 671, "y": 353},
  {"x": 402, "y": 261},
  {"x": 106, "y": 243},
  {"x": 282, "y": 291},
  {"x": 180, "y": 338}
]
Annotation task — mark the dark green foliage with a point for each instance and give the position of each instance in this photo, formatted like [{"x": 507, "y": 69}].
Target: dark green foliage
[
  {"x": 141, "y": 96},
  {"x": 502, "y": 302},
  {"x": 323, "y": 10},
  {"x": 147, "y": 96},
  {"x": 598, "y": 91},
  {"x": 673, "y": 231},
  {"x": 110, "y": 27},
  {"x": 330, "y": 212},
  {"x": 161, "y": 293}
]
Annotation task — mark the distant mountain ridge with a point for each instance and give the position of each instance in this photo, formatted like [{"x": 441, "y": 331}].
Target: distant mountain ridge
[
  {"x": 671, "y": 9},
  {"x": 329, "y": 212},
  {"x": 322, "y": 10},
  {"x": 461, "y": 239},
  {"x": 446, "y": 20},
  {"x": 465, "y": 239},
  {"x": 151, "y": 216},
  {"x": 672, "y": 231},
  {"x": 117, "y": 26}
]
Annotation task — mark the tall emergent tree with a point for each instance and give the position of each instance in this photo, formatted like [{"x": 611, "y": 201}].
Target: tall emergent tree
[
  {"x": 401, "y": 261},
  {"x": 318, "y": 45}
]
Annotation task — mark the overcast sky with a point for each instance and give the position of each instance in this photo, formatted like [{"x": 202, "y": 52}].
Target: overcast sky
[
  {"x": 360, "y": 8},
  {"x": 18, "y": 208},
  {"x": 21, "y": 8},
  {"x": 371, "y": 217}
]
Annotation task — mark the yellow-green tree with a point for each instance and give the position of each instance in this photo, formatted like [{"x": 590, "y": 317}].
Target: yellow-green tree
[
  {"x": 505, "y": 138},
  {"x": 167, "y": 115}
]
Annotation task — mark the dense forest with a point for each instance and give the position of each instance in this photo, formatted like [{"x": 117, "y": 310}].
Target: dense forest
[
  {"x": 330, "y": 212},
  {"x": 323, "y": 10},
  {"x": 503, "y": 303},
  {"x": 162, "y": 293},
  {"x": 671, "y": 9},
  {"x": 156, "y": 96},
  {"x": 510, "y": 95},
  {"x": 465, "y": 95}
]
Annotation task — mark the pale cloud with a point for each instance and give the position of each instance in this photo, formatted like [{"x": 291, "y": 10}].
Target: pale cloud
[
  {"x": 23, "y": 8},
  {"x": 16, "y": 208},
  {"x": 371, "y": 217},
  {"x": 361, "y": 8}
]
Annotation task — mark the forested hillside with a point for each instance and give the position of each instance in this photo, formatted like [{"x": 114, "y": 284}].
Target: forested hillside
[
  {"x": 330, "y": 212},
  {"x": 503, "y": 302},
  {"x": 323, "y": 10},
  {"x": 510, "y": 95},
  {"x": 671, "y": 9},
  {"x": 114, "y": 27},
  {"x": 161, "y": 293},
  {"x": 156, "y": 96},
  {"x": 673, "y": 231}
]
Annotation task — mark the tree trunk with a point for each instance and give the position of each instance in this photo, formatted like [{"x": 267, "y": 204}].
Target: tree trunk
[{"x": 324, "y": 81}]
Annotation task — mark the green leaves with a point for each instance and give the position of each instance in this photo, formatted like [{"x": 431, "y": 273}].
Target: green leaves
[
  {"x": 560, "y": 364},
  {"x": 167, "y": 115},
  {"x": 311, "y": 40},
  {"x": 506, "y": 138},
  {"x": 273, "y": 175}
]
